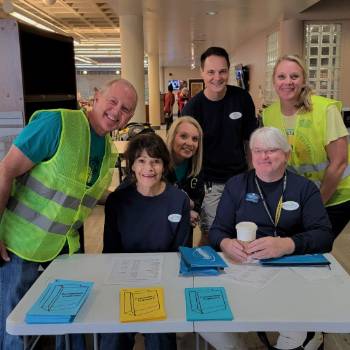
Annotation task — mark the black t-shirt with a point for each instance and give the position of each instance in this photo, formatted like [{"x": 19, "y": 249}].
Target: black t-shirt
[{"x": 226, "y": 124}]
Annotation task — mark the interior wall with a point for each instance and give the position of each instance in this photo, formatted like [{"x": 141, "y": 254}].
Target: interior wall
[
  {"x": 87, "y": 83},
  {"x": 252, "y": 54},
  {"x": 181, "y": 73}
]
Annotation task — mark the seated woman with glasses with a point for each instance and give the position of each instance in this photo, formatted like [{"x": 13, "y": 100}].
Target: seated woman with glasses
[
  {"x": 145, "y": 214},
  {"x": 288, "y": 211}
]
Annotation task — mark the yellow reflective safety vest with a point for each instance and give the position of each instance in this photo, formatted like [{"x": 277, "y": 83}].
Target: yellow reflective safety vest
[
  {"x": 309, "y": 157},
  {"x": 49, "y": 203}
]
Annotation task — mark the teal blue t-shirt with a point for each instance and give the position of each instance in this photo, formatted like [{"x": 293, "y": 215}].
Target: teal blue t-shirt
[
  {"x": 181, "y": 170},
  {"x": 39, "y": 141}
]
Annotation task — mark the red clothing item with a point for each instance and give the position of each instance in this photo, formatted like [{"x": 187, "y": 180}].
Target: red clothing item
[
  {"x": 169, "y": 100},
  {"x": 181, "y": 100}
]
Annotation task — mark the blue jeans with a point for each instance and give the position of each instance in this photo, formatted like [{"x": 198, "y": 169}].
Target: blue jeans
[
  {"x": 126, "y": 341},
  {"x": 16, "y": 277}
]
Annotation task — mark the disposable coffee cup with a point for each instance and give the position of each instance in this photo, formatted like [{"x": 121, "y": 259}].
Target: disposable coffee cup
[{"x": 246, "y": 231}]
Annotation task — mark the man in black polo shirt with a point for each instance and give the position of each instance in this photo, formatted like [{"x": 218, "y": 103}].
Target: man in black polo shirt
[{"x": 227, "y": 116}]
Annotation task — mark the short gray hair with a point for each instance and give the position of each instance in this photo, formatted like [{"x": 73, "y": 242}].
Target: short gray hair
[{"x": 270, "y": 137}]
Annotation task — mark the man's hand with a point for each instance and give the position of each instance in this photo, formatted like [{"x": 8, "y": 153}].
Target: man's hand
[
  {"x": 270, "y": 247},
  {"x": 3, "y": 252},
  {"x": 233, "y": 249}
]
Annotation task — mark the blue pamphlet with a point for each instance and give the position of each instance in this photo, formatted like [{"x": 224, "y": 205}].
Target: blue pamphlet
[
  {"x": 60, "y": 302},
  {"x": 297, "y": 260},
  {"x": 185, "y": 270},
  {"x": 200, "y": 261},
  {"x": 208, "y": 303}
]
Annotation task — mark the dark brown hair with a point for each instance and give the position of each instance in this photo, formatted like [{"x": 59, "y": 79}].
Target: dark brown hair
[
  {"x": 215, "y": 51},
  {"x": 155, "y": 148}
]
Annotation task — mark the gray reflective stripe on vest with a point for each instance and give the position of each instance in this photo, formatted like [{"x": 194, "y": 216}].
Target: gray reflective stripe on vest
[
  {"x": 77, "y": 225},
  {"x": 306, "y": 168},
  {"x": 310, "y": 168},
  {"x": 60, "y": 198},
  {"x": 89, "y": 201},
  {"x": 36, "y": 218}
]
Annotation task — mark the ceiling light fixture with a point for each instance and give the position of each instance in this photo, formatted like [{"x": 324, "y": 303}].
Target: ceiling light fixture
[
  {"x": 7, "y": 6},
  {"x": 30, "y": 21},
  {"x": 211, "y": 13}
]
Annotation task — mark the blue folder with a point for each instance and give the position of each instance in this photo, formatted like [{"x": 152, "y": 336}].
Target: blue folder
[
  {"x": 207, "y": 303},
  {"x": 297, "y": 260},
  {"x": 200, "y": 261},
  {"x": 59, "y": 302}
]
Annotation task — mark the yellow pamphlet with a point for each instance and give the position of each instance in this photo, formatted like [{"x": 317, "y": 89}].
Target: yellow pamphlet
[{"x": 142, "y": 304}]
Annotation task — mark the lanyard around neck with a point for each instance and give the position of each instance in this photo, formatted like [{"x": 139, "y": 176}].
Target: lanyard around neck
[{"x": 279, "y": 204}]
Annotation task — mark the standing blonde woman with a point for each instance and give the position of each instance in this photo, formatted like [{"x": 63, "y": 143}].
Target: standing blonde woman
[
  {"x": 317, "y": 135},
  {"x": 185, "y": 143}
]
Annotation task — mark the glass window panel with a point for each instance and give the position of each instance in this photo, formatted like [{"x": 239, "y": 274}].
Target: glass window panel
[
  {"x": 324, "y": 74},
  {"x": 325, "y": 51},
  {"x": 323, "y": 57},
  {"x": 324, "y": 61},
  {"x": 314, "y": 39},
  {"x": 312, "y": 74},
  {"x": 313, "y": 51},
  {"x": 324, "y": 84},
  {"x": 325, "y": 39},
  {"x": 313, "y": 62}
]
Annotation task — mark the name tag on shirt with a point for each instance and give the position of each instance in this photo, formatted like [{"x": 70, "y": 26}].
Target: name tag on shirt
[{"x": 252, "y": 197}]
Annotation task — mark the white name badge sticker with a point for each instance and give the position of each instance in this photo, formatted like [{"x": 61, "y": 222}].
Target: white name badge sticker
[
  {"x": 290, "y": 205},
  {"x": 174, "y": 217},
  {"x": 235, "y": 115}
]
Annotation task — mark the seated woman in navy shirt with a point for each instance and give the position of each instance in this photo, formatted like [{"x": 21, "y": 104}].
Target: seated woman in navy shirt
[
  {"x": 145, "y": 214},
  {"x": 286, "y": 207}
]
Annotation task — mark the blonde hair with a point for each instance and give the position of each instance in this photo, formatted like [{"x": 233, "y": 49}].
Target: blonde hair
[
  {"x": 270, "y": 137},
  {"x": 304, "y": 101},
  {"x": 198, "y": 156}
]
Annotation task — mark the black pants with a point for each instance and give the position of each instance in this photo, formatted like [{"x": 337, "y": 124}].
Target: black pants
[
  {"x": 168, "y": 120},
  {"x": 339, "y": 215}
]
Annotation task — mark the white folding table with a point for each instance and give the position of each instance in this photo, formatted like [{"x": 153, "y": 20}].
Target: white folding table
[
  {"x": 289, "y": 302},
  {"x": 100, "y": 312}
]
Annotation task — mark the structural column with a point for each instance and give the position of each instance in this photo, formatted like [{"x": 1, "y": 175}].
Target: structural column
[
  {"x": 151, "y": 25},
  {"x": 291, "y": 37},
  {"x": 132, "y": 53}
]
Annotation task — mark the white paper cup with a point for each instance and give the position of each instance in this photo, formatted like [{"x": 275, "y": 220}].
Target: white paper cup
[{"x": 246, "y": 231}]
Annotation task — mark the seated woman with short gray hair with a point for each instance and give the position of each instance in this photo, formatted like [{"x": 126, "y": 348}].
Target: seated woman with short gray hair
[{"x": 287, "y": 209}]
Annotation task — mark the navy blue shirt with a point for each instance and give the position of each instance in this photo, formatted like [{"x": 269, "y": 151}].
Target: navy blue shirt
[
  {"x": 138, "y": 224},
  {"x": 226, "y": 124},
  {"x": 303, "y": 216}
]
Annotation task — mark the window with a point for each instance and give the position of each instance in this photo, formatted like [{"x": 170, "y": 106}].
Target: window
[
  {"x": 322, "y": 48},
  {"x": 271, "y": 59}
]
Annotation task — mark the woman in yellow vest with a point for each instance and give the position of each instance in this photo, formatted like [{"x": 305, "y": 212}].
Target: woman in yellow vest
[{"x": 317, "y": 135}]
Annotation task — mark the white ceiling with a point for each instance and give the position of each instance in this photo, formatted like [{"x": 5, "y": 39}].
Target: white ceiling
[{"x": 185, "y": 28}]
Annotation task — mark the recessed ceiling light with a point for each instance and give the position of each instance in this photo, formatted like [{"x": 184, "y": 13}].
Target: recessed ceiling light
[
  {"x": 211, "y": 13},
  {"x": 84, "y": 72}
]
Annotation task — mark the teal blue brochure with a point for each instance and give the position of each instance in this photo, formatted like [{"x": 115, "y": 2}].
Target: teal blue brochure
[
  {"x": 202, "y": 257},
  {"x": 297, "y": 260},
  {"x": 60, "y": 302},
  {"x": 207, "y": 303}
]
